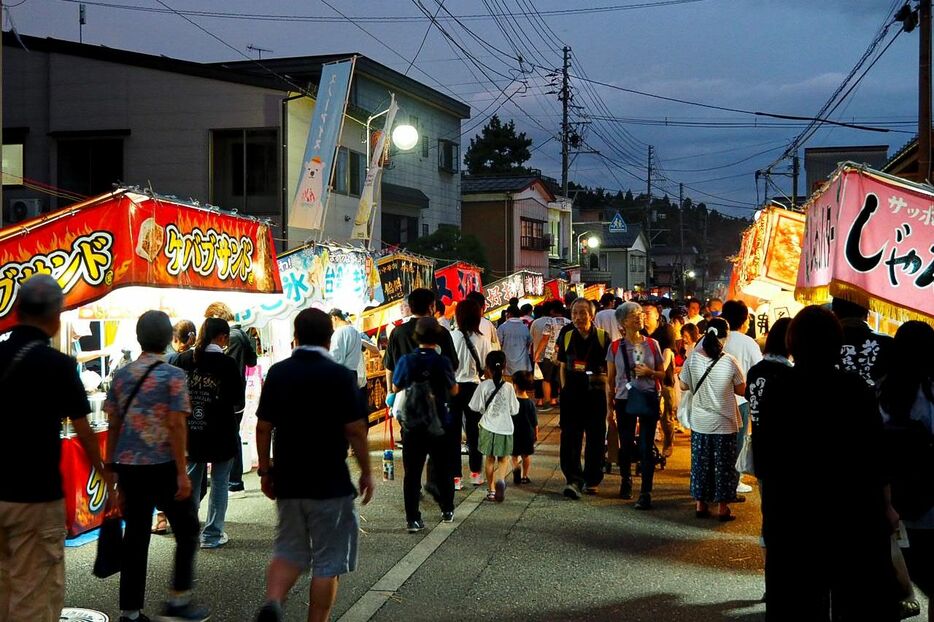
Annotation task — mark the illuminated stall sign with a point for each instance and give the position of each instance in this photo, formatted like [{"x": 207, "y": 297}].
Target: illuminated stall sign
[
  {"x": 124, "y": 239},
  {"x": 522, "y": 284},
  {"x": 400, "y": 274},
  {"x": 323, "y": 277},
  {"x": 454, "y": 282},
  {"x": 870, "y": 239}
]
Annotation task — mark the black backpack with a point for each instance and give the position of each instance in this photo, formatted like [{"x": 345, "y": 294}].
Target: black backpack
[
  {"x": 909, "y": 452},
  {"x": 420, "y": 411}
]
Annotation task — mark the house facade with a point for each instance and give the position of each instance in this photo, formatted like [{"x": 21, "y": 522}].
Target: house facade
[
  {"x": 83, "y": 117},
  {"x": 519, "y": 220},
  {"x": 619, "y": 261}
]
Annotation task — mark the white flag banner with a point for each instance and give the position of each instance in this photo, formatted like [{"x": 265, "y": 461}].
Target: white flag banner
[{"x": 361, "y": 224}]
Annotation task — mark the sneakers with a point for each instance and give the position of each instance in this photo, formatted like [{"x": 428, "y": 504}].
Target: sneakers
[
  {"x": 743, "y": 489},
  {"x": 644, "y": 503},
  {"x": 625, "y": 489},
  {"x": 571, "y": 491},
  {"x": 476, "y": 479},
  {"x": 414, "y": 526},
  {"x": 236, "y": 491},
  {"x": 184, "y": 613},
  {"x": 591, "y": 490},
  {"x": 458, "y": 485},
  {"x": 447, "y": 517},
  {"x": 500, "y": 490},
  {"x": 547, "y": 408},
  {"x": 517, "y": 476},
  {"x": 270, "y": 612},
  {"x": 224, "y": 539}
]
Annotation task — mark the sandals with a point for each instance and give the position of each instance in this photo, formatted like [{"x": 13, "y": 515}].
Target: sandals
[
  {"x": 491, "y": 496},
  {"x": 908, "y": 608},
  {"x": 161, "y": 527},
  {"x": 525, "y": 480}
]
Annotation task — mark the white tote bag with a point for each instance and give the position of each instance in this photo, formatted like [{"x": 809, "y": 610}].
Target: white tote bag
[{"x": 684, "y": 409}]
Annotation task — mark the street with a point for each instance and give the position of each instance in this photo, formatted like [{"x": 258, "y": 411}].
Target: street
[{"x": 537, "y": 556}]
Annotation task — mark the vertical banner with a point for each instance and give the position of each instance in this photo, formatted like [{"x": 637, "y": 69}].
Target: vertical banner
[
  {"x": 361, "y": 224},
  {"x": 308, "y": 204}
]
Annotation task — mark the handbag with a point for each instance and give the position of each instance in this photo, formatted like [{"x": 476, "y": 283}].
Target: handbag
[
  {"x": 687, "y": 399},
  {"x": 109, "y": 548},
  {"x": 639, "y": 403},
  {"x": 744, "y": 461}
]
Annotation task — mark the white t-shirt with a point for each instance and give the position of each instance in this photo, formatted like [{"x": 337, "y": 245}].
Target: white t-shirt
[
  {"x": 713, "y": 409},
  {"x": 694, "y": 319},
  {"x": 467, "y": 369},
  {"x": 606, "y": 320},
  {"x": 346, "y": 347},
  {"x": 498, "y": 417},
  {"x": 746, "y": 351},
  {"x": 488, "y": 330}
]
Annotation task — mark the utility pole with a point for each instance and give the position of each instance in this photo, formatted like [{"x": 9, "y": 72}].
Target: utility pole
[
  {"x": 565, "y": 126},
  {"x": 681, "y": 229},
  {"x": 924, "y": 94},
  {"x": 795, "y": 169},
  {"x": 648, "y": 224}
]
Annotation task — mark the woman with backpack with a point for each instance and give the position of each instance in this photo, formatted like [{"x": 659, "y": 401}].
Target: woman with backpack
[
  {"x": 635, "y": 366},
  {"x": 471, "y": 348},
  {"x": 495, "y": 399},
  {"x": 713, "y": 377},
  {"x": 217, "y": 394},
  {"x": 906, "y": 400}
]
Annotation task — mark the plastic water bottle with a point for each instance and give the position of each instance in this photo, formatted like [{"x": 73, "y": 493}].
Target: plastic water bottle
[{"x": 388, "y": 466}]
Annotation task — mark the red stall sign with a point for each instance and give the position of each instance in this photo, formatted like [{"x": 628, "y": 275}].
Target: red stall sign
[
  {"x": 454, "y": 282},
  {"x": 85, "y": 492},
  {"x": 124, "y": 238}
]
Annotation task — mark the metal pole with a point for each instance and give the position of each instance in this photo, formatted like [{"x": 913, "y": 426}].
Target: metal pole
[
  {"x": 924, "y": 94},
  {"x": 795, "y": 169},
  {"x": 648, "y": 225},
  {"x": 681, "y": 228}
]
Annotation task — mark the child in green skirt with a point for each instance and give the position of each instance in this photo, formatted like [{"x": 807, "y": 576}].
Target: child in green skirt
[{"x": 495, "y": 400}]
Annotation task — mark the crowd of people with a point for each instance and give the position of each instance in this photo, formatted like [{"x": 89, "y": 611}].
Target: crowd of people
[{"x": 617, "y": 371}]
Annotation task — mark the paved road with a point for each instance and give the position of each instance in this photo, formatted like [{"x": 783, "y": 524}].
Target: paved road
[{"x": 538, "y": 556}]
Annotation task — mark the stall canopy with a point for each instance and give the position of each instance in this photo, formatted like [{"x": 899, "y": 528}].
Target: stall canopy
[
  {"x": 125, "y": 238},
  {"x": 770, "y": 253},
  {"x": 323, "y": 276},
  {"x": 400, "y": 273},
  {"x": 870, "y": 240}
]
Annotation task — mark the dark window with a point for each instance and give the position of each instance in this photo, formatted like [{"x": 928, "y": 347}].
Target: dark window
[
  {"x": 245, "y": 170},
  {"x": 448, "y": 156},
  {"x": 349, "y": 172},
  {"x": 532, "y": 235},
  {"x": 425, "y": 142},
  {"x": 340, "y": 171},
  {"x": 424, "y": 229},
  {"x": 89, "y": 166},
  {"x": 357, "y": 173},
  {"x": 399, "y": 230}
]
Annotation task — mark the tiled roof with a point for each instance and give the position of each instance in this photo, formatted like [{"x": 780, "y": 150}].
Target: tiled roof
[
  {"x": 619, "y": 240},
  {"x": 901, "y": 153},
  {"x": 481, "y": 184}
]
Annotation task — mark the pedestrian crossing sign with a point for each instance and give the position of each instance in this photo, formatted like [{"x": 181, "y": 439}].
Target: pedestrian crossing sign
[{"x": 618, "y": 225}]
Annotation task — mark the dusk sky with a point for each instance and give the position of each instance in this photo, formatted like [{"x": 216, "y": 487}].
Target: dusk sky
[{"x": 777, "y": 56}]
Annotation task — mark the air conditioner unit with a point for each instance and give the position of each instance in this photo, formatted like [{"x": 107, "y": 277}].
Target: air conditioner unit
[{"x": 22, "y": 209}]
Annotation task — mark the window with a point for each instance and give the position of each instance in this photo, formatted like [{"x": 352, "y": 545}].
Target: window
[
  {"x": 13, "y": 165},
  {"x": 424, "y": 229},
  {"x": 637, "y": 263},
  {"x": 89, "y": 166},
  {"x": 425, "y": 142},
  {"x": 555, "y": 242},
  {"x": 349, "y": 172},
  {"x": 448, "y": 156},
  {"x": 245, "y": 170},
  {"x": 532, "y": 235},
  {"x": 398, "y": 230}
]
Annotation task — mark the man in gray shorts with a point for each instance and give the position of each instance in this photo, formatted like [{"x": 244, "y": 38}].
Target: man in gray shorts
[{"x": 315, "y": 408}]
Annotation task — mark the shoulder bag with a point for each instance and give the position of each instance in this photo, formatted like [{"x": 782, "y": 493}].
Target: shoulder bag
[
  {"x": 687, "y": 397},
  {"x": 473, "y": 353}
]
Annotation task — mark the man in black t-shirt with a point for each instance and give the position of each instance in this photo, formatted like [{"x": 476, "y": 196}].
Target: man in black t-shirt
[
  {"x": 314, "y": 407},
  {"x": 581, "y": 353},
  {"x": 32, "y": 506},
  {"x": 864, "y": 351}
]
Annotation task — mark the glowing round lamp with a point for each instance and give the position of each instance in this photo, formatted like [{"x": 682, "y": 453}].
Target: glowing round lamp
[
  {"x": 593, "y": 242},
  {"x": 405, "y": 137},
  {"x": 691, "y": 274}
]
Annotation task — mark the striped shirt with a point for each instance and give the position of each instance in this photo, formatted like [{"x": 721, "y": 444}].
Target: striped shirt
[{"x": 713, "y": 408}]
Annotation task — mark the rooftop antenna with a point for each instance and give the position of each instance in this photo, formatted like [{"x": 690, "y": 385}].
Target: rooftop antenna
[{"x": 258, "y": 50}]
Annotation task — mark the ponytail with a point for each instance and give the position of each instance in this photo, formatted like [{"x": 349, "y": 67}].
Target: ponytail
[
  {"x": 496, "y": 364},
  {"x": 717, "y": 329},
  {"x": 211, "y": 329}
]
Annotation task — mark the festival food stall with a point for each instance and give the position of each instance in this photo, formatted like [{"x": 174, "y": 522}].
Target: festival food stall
[
  {"x": 321, "y": 276},
  {"x": 115, "y": 256},
  {"x": 766, "y": 269},
  {"x": 870, "y": 240}
]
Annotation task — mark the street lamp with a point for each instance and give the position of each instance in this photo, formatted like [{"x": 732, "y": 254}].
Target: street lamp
[
  {"x": 592, "y": 243},
  {"x": 404, "y": 137}
]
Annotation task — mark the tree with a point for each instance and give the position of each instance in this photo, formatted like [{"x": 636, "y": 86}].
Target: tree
[
  {"x": 498, "y": 149},
  {"x": 450, "y": 243}
]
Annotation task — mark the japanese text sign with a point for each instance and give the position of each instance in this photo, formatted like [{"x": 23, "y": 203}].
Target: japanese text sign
[
  {"x": 400, "y": 274},
  {"x": 127, "y": 239},
  {"x": 454, "y": 282},
  {"x": 519, "y": 285},
  {"x": 870, "y": 239}
]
